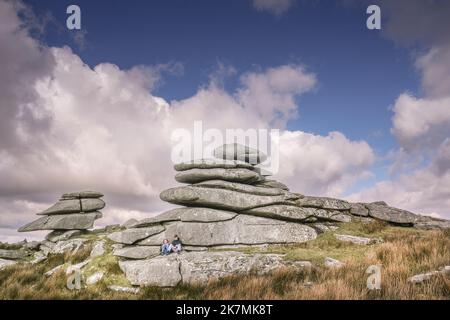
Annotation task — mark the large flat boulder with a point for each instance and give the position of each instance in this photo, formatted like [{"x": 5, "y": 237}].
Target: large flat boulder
[
  {"x": 324, "y": 203},
  {"x": 6, "y": 263},
  {"x": 200, "y": 267},
  {"x": 137, "y": 252},
  {"x": 130, "y": 236},
  {"x": 243, "y": 229},
  {"x": 63, "y": 207},
  {"x": 13, "y": 254},
  {"x": 89, "y": 205},
  {"x": 212, "y": 164},
  {"x": 240, "y": 187},
  {"x": 235, "y": 175},
  {"x": 63, "y": 222},
  {"x": 236, "y": 151},
  {"x": 62, "y": 235},
  {"x": 222, "y": 198},
  {"x": 390, "y": 214},
  {"x": 191, "y": 214}
]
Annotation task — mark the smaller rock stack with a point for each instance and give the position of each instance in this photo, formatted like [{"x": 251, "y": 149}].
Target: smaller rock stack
[{"x": 72, "y": 214}]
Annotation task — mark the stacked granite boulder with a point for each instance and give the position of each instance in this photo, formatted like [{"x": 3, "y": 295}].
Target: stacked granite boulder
[{"x": 71, "y": 215}]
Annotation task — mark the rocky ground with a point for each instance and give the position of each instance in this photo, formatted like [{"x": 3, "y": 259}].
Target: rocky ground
[{"x": 329, "y": 267}]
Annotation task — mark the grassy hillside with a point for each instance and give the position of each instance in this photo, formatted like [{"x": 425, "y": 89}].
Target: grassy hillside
[{"x": 404, "y": 253}]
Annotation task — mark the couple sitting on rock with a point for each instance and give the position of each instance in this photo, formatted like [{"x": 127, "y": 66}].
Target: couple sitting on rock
[{"x": 168, "y": 247}]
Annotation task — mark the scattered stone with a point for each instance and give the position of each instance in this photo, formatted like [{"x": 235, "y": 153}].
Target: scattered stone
[
  {"x": 6, "y": 263},
  {"x": 38, "y": 257},
  {"x": 324, "y": 203},
  {"x": 390, "y": 214},
  {"x": 271, "y": 184},
  {"x": 83, "y": 194},
  {"x": 137, "y": 252},
  {"x": 420, "y": 278},
  {"x": 98, "y": 249},
  {"x": 243, "y": 229},
  {"x": 333, "y": 263},
  {"x": 357, "y": 240},
  {"x": 233, "y": 175},
  {"x": 54, "y": 270},
  {"x": 62, "y": 235},
  {"x": 93, "y": 279},
  {"x": 13, "y": 254},
  {"x": 130, "y": 236},
  {"x": 124, "y": 289},
  {"x": 71, "y": 269},
  {"x": 71, "y": 246}
]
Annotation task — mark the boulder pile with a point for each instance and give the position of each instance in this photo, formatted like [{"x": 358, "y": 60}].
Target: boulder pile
[
  {"x": 70, "y": 216},
  {"x": 229, "y": 203}
]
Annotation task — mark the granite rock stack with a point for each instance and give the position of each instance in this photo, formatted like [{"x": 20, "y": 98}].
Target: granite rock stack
[{"x": 72, "y": 214}]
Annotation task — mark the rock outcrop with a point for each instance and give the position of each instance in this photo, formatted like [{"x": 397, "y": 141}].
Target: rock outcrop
[
  {"x": 228, "y": 203},
  {"x": 72, "y": 213}
]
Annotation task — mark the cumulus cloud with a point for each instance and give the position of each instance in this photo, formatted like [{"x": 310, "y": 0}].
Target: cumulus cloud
[
  {"x": 66, "y": 126},
  {"x": 275, "y": 7}
]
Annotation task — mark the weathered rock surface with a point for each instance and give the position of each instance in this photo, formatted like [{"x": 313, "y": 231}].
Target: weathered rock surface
[
  {"x": 234, "y": 175},
  {"x": 98, "y": 249},
  {"x": 221, "y": 198},
  {"x": 332, "y": 263},
  {"x": 390, "y": 214},
  {"x": 420, "y": 278},
  {"x": 94, "y": 278},
  {"x": 63, "y": 207},
  {"x": 244, "y": 188},
  {"x": 212, "y": 164},
  {"x": 137, "y": 252},
  {"x": 271, "y": 184},
  {"x": 5, "y": 263},
  {"x": 243, "y": 229},
  {"x": 61, "y": 235},
  {"x": 89, "y": 205},
  {"x": 324, "y": 203},
  {"x": 130, "y": 236},
  {"x": 13, "y": 254},
  {"x": 63, "y": 222},
  {"x": 235, "y": 151},
  {"x": 357, "y": 240},
  {"x": 129, "y": 223},
  {"x": 199, "y": 267}
]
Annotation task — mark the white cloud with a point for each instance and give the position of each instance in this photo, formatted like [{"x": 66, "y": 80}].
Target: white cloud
[{"x": 276, "y": 7}]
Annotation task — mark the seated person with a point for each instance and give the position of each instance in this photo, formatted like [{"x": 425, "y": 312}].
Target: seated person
[
  {"x": 176, "y": 244},
  {"x": 166, "y": 247}
]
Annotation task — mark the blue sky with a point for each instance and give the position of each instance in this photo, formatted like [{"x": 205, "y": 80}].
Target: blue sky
[{"x": 360, "y": 72}]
